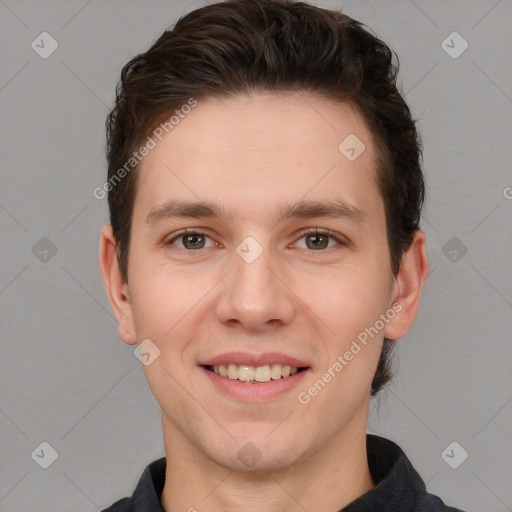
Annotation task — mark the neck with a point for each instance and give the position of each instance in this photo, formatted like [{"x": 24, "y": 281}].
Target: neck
[{"x": 326, "y": 480}]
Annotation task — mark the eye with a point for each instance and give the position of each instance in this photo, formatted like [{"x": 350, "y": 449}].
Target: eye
[
  {"x": 190, "y": 240},
  {"x": 318, "y": 238}
]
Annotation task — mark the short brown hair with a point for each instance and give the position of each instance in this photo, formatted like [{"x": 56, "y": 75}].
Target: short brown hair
[{"x": 239, "y": 46}]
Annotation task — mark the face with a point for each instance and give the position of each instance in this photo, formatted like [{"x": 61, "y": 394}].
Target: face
[{"x": 258, "y": 281}]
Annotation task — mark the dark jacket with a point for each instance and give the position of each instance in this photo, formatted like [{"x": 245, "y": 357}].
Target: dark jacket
[{"x": 398, "y": 488}]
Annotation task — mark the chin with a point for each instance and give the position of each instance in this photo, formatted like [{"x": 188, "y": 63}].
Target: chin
[{"x": 259, "y": 455}]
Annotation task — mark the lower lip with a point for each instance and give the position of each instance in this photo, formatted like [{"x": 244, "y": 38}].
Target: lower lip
[{"x": 249, "y": 392}]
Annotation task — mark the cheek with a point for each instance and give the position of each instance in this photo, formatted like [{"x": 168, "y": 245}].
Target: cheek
[
  {"x": 350, "y": 306},
  {"x": 163, "y": 297},
  {"x": 346, "y": 300}
]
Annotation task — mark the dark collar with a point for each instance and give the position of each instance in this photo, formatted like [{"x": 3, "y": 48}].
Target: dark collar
[{"x": 398, "y": 486}]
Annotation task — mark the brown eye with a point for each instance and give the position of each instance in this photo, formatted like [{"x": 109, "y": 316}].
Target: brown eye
[
  {"x": 317, "y": 241},
  {"x": 194, "y": 241},
  {"x": 190, "y": 240}
]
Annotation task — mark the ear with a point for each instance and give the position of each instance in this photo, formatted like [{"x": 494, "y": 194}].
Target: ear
[
  {"x": 407, "y": 287},
  {"x": 117, "y": 289}
]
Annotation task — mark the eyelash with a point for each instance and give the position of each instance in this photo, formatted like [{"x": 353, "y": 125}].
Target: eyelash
[{"x": 302, "y": 234}]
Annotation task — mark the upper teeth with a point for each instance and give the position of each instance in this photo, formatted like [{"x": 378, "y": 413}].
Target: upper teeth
[{"x": 251, "y": 373}]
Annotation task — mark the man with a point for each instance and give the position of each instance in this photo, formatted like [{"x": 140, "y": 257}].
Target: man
[{"x": 264, "y": 251}]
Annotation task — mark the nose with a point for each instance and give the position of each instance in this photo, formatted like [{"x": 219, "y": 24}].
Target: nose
[{"x": 256, "y": 295}]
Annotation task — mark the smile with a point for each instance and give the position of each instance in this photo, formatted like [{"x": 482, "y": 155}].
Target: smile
[
  {"x": 250, "y": 389},
  {"x": 252, "y": 374}
]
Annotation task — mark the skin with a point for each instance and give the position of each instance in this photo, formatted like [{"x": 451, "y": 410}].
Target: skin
[{"x": 251, "y": 154}]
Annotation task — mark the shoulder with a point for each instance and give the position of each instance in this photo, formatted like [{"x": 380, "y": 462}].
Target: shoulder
[
  {"x": 397, "y": 481},
  {"x": 431, "y": 503},
  {"x": 146, "y": 496},
  {"x": 123, "y": 505}
]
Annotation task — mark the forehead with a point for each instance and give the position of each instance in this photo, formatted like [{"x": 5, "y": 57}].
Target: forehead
[{"x": 249, "y": 152}]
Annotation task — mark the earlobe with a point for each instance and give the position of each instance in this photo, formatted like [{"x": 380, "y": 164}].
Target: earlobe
[
  {"x": 408, "y": 287},
  {"x": 116, "y": 288}
]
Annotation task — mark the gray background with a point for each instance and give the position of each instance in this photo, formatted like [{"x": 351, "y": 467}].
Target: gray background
[{"x": 67, "y": 379}]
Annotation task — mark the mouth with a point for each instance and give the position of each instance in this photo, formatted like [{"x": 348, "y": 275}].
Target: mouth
[
  {"x": 255, "y": 378},
  {"x": 255, "y": 374}
]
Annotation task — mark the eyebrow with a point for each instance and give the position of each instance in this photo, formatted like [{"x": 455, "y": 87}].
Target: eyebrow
[{"x": 302, "y": 209}]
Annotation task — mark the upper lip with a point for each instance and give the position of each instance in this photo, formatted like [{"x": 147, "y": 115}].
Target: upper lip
[{"x": 244, "y": 358}]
